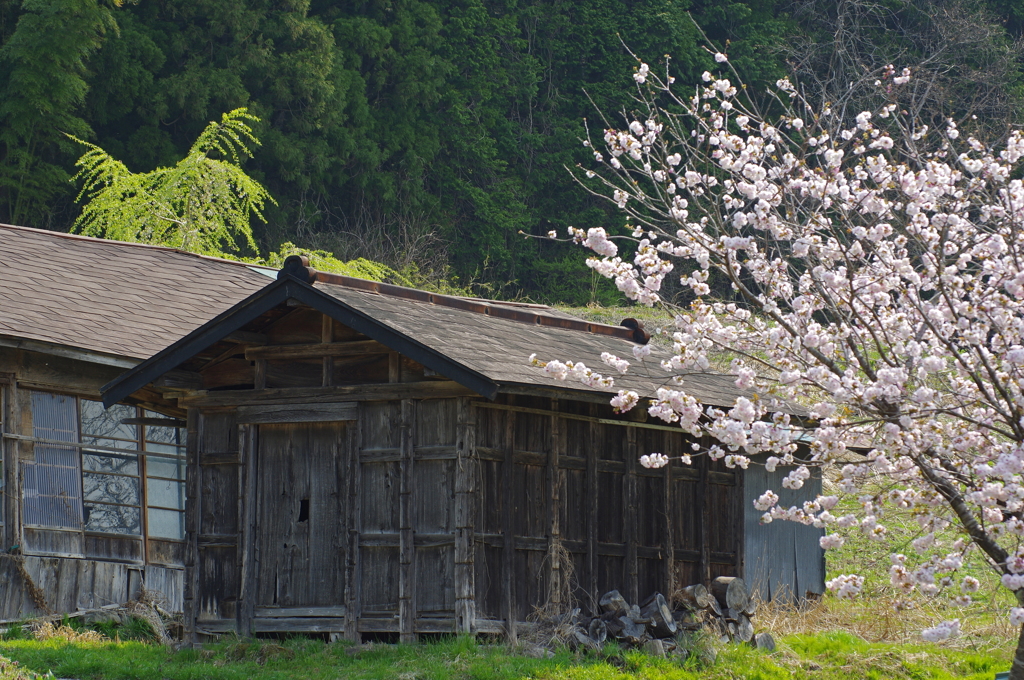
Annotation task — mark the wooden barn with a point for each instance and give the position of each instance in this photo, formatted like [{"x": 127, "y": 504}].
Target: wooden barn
[
  {"x": 93, "y": 498},
  {"x": 379, "y": 462}
]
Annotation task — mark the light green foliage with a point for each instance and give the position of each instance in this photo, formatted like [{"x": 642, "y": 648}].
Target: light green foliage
[
  {"x": 836, "y": 655},
  {"x": 323, "y": 261},
  {"x": 202, "y": 204}
]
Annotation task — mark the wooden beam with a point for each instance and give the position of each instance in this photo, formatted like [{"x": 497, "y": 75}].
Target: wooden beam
[
  {"x": 407, "y": 548},
  {"x": 248, "y": 470},
  {"x": 554, "y": 484},
  {"x": 353, "y": 577},
  {"x": 425, "y": 389},
  {"x": 247, "y": 338},
  {"x": 315, "y": 351},
  {"x": 260, "y": 377},
  {"x": 575, "y": 416},
  {"x": 704, "y": 513},
  {"x": 193, "y": 515},
  {"x": 394, "y": 367},
  {"x": 298, "y": 413},
  {"x": 465, "y": 590},
  {"x": 509, "y": 552},
  {"x": 631, "y": 517},
  {"x": 595, "y": 445},
  {"x": 10, "y": 502},
  {"x": 668, "y": 538},
  {"x": 327, "y": 337}
]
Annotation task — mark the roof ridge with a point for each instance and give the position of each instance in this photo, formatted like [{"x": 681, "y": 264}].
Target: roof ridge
[
  {"x": 630, "y": 329},
  {"x": 169, "y": 249}
]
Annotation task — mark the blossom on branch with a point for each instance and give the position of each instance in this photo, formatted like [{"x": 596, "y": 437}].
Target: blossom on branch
[{"x": 877, "y": 276}]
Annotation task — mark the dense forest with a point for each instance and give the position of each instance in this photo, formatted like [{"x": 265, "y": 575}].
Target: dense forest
[{"x": 432, "y": 132}]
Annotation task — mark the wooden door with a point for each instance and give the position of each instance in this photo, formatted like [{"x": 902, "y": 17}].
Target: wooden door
[{"x": 301, "y": 533}]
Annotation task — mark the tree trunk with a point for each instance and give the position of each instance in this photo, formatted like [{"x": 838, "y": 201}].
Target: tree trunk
[{"x": 1017, "y": 668}]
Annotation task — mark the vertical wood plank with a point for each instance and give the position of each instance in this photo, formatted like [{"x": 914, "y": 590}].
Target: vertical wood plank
[
  {"x": 465, "y": 590},
  {"x": 260, "y": 381},
  {"x": 193, "y": 516},
  {"x": 353, "y": 581},
  {"x": 406, "y": 570},
  {"x": 630, "y": 519},
  {"x": 247, "y": 568},
  {"x": 592, "y": 500},
  {"x": 703, "y": 510},
  {"x": 13, "y": 533},
  {"x": 669, "y": 554},
  {"x": 555, "y": 580},
  {"x": 394, "y": 367},
  {"x": 327, "y": 335},
  {"x": 508, "y": 561},
  {"x": 739, "y": 510}
]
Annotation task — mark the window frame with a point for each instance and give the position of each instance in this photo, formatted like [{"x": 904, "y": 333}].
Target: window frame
[{"x": 141, "y": 454}]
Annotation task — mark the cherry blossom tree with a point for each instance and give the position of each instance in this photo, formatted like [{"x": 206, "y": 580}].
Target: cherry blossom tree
[{"x": 878, "y": 278}]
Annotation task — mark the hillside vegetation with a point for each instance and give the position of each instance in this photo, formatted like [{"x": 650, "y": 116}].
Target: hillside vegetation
[{"x": 430, "y": 131}]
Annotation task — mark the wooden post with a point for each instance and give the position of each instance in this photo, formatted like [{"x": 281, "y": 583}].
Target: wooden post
[
  {"x": 260, "y": 380},
  {"x": 248, "y": 452},
  {"x": 193, "y": 518},
  {"x": 10, "y": 504},
  {"x": 353, "y": 579},
  {"x": 394, "y": 367},
  {"x": 406, "y": 561},
  {"x": 631, "y": 518},
  {"x": 465, "y": 475},
  {"x": 327, "y": 336},
  {"x": 508, "y": 563},
  {"x": 554, "y": 477},
  {"x": 592, "y": 501},
  {"x": 704, "y": 513},
  {"x": 668, "y": 539}
]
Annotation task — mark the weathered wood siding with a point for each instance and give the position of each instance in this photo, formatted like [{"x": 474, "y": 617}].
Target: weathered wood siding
[
  {"x": 73, "y": 570},
  {"x": 562, "y": 480},
  {"x": 782, "y": 560}
]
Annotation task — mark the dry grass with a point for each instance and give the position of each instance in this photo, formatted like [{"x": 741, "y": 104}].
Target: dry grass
[
  {"x": 887, "y": 619},
  {"x": 48, "y": 631}
]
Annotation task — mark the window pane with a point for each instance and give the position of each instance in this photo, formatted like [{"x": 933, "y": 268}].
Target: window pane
[
  {"x": 169, "y": 449},
  {"x": 113, "y": 519},
  {"x": 46, "y": 503},
  {"x": 110, "y": 488},
  {"x": 165, "y": 493},
  {"x": 106, "y": 423},
  {"x": 110, "y": 462},
  {"x": 165, "y": 467},
  {"x": 166, "y": 524},
  {"x": 164, "y": 435},
  {"x": 53, "y": 417},
  {"x": 52, "y": 482}
]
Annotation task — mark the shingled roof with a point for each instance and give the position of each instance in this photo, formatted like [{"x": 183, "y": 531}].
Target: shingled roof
[
  {"x": 125, "y": 300},
  {"x": 484, "y": 345}
]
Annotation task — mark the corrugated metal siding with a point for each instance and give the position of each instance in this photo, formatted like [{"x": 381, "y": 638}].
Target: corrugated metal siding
[
  {"x": 782, "y": 560},
  {"x": 53, "y": 482}
]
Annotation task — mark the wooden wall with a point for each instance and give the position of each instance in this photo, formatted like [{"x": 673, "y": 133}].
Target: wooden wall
[{"x": 401, "y": 517}]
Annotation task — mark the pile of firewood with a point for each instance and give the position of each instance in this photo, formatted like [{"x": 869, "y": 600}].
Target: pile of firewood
[{"x": 725, "y": 612}]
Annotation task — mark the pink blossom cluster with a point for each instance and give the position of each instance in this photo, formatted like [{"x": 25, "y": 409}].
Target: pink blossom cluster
[
  {"x": 846, "y": 586},
  {"x": 943, "y": 631}
]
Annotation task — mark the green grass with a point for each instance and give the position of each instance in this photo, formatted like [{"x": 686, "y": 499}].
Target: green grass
[{"x": 825, "y": 655}]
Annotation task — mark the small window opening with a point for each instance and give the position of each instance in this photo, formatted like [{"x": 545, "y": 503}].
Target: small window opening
[{"x": 304, "y": 510}]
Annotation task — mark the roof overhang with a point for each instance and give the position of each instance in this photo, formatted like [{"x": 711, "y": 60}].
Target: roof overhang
[
  {"x": 288, "y": 287},
  {"x": 68, "y": 352}
]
